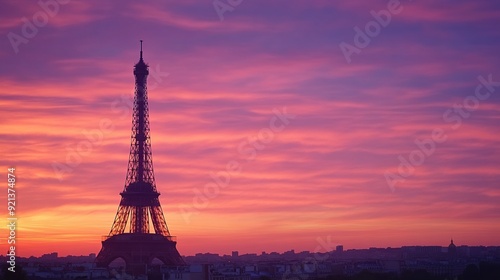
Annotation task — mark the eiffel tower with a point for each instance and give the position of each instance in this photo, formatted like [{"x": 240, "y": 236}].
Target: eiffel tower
[{"x": 131, "y": 237}]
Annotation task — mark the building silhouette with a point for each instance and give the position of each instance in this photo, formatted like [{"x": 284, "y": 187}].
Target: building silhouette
[{"x": 452, "y": 250}]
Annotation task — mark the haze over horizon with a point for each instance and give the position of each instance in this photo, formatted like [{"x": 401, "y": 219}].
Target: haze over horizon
[{"x": 395, "y": 143}]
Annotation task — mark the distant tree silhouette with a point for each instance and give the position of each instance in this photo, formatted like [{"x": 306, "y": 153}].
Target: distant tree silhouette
[
  {"x": 19, "y": 273},
  {"x": 489, "y": 271},
  {"x": 419, "y": 274},
  {"x": 363, "y": 275},
  {"x": 486, "y": 271},
  {"x": 155, "y": 273},
  {"x": 471, "y": 272},
  {"x": 367, "y": 275},
  {"x": 332, "y": 277}
]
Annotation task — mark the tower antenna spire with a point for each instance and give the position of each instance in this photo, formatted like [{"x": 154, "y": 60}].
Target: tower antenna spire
[{"x": 141, "y": 49}]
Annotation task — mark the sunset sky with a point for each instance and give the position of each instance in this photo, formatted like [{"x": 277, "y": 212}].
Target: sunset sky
[{"x": 344, "y": 166}]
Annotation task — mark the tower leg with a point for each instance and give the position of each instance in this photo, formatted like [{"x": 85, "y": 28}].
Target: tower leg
[{"x": 138, "y": 251}]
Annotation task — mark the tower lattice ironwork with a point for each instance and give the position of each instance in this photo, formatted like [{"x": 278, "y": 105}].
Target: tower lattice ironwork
[{"x": 131, "y": 236}]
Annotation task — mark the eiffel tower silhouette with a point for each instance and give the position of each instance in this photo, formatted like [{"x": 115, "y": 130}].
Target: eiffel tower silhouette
[{"x": 131, "y": 237}]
